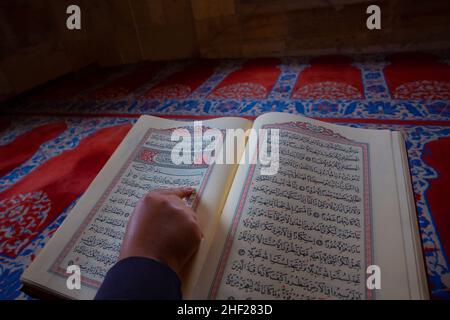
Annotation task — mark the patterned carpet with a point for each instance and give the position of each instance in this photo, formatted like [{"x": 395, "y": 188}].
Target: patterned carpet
[{"x": 54, "y": 140}]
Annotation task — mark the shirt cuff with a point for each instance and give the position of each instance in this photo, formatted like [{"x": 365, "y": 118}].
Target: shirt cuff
[{"x": 140, "y": 278}]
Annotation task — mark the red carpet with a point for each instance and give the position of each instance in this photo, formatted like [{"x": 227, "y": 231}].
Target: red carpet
[
  {"x": 54, "y": 141},
  {"x": 49, "y": 189}
]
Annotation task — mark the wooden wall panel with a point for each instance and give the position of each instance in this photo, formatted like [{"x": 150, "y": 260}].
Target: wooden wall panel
[
  {"x": 285, "y": 27},
  {"x": 35, "y": 65},
  {"x": 125, "y": 34},
  {"x": 165, "y": 29},
  {"x": 5, "y": 86},
  {"x": 36, "y": 45},
  {"x": 204, "y": 9},
  {"x": 34, "y": 52}
]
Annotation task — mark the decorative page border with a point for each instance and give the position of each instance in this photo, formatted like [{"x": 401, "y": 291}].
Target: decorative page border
[
  {"x": 321, "y": 133},
  {"x": 56, "y": 266}
]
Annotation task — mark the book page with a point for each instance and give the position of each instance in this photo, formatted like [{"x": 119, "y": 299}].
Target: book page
[
  {"x": 311, "y": 230},
  {"x": 409, "y": 221},
  {"x": 92, "y": 233}
]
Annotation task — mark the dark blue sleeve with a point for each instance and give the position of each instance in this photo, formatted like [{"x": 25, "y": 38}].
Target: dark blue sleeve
[{"x": 140, "y": 278}]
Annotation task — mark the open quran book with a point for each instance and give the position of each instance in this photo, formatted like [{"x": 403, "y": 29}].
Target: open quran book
[{"x": 340, "y": 202}]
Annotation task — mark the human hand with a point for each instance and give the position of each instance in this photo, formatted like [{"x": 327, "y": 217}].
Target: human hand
[{"x": 162, "y": 227}]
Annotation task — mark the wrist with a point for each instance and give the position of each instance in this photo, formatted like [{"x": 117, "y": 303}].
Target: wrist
[{"x": 170, "y": 263}]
